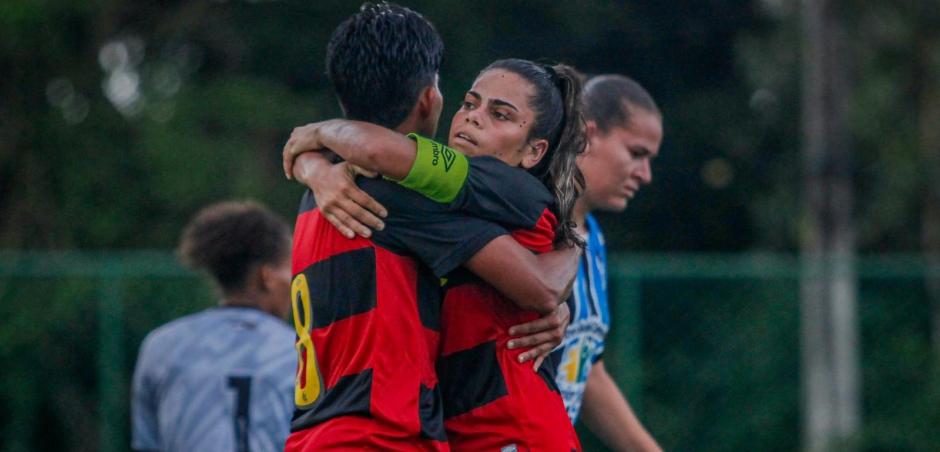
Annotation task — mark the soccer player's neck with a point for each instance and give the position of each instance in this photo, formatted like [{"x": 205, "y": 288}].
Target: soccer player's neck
[
  {"x": 247, "y": 298},
  {"x": 255, "y": 297},
  {"x": 424, "y": 116},
  {"x": 241, "y": 298},
  {"x": 415, "y": 123}
]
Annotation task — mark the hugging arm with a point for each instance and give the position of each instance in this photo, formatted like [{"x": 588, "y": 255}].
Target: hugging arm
[
  {"x": 533, "y": 282},
  {"x": 540, "y": 336},
  {"x": 369, "y": 146},
  {"x": 341, "y": 201},
  {"x": 539, "y": 283},
  {"x": 484, "y": 187},
  {"x": 445, "y": 240}
]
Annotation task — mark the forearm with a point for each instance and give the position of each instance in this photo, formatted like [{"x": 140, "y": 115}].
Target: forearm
[
  {"x": 369, "y": 146},
  {"x": 532, "y": 282},
  {"x": 608, "y": 415},
  {"x": 559, "y": 268},
  {"x": 310, "y": 167}
]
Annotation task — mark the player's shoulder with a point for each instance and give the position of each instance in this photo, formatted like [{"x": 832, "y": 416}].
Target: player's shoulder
[
  {"x": 273, "y": 342},
  {"x": 172, "y": 336},
  {"x": 277, "y": 329},
  {"x": 541, "y": 237},
  {"x": 175, "y": 327},
  {"x": 204, "y": 321},
  {"x": 494, "y": 165},
  {"x": 250, "y": 318},
  {"x": 495, "y": 171}
]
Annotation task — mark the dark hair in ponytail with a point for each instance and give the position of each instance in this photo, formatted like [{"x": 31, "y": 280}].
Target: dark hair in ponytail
[{"x": 558, "y": 119}]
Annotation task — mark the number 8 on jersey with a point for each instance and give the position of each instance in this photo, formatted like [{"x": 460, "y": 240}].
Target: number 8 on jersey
[{"x": 308, "y": 384}]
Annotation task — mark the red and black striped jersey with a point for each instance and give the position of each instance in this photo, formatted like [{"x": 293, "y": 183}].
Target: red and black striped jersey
[
  {"x": 491, "y": 401},
  {"x": 367, "y": 318}
]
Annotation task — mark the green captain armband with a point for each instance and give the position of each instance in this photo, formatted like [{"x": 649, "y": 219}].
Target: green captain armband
[{"x": 438, "y": 173}]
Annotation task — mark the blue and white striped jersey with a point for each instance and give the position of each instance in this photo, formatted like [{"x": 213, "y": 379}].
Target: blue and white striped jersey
[
  {"x": 590, "y": 321},
  {"x": 218, "y": 380}
]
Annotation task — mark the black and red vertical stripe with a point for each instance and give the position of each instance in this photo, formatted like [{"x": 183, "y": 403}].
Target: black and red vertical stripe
[{"x": 375, "y": 328}]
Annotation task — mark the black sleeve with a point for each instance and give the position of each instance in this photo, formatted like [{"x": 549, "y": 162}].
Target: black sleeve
[
  {"x": 441, "y": 238},
  {"x": 501, "y": 193}
]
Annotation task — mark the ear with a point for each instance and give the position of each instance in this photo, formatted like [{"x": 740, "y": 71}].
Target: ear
[
  {"x": 428, "y": 100},
  {"x": 591, "y": 132},
  {"x": 590, "y": 127},
  {"x": 266, "y": 276},
  {"x": 534, "y": 152}
]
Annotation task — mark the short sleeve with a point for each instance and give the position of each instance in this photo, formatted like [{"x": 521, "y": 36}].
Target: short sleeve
[
  {"x": 441, "y": 238},
  {"x": 541, "y": 238},
  {"x": 502, "y": 193},
  {"x": 145, "y": 428},
  {"x": 438, "y": 171},
  {"x": 484, "y": 187},
  {"x": 598, "y": 354}
]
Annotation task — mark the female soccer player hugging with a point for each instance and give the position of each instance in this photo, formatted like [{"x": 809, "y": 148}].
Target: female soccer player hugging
[{"x": 513, "y": 145}]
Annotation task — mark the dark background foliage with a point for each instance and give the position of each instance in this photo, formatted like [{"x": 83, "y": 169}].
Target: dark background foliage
[{"x": 119, "y": 119}]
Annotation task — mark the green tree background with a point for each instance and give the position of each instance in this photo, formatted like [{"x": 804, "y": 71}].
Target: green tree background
[{"x": 120, "y": 119}]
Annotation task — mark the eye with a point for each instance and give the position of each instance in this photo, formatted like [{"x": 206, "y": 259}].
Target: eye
[
  {"x": 500, "y": 116},
  {"x": 466, "y": 105}
]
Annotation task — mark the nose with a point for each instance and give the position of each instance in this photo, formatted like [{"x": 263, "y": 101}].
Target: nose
[
  {"x": 473, "y": 117},
  {"x": 645, "y": 172}
]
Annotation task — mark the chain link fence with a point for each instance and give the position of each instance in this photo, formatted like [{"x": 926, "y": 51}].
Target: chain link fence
[{"x": 706, "y": 347}]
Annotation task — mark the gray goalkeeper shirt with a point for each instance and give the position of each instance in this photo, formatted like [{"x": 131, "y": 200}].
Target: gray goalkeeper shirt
[{"x": 218, "y": 380}]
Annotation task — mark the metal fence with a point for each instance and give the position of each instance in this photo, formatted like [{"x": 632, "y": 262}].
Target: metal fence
[{"x": 705, "y": 346}]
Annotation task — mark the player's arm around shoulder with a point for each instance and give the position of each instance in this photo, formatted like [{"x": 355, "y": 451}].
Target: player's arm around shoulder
[
  {"x": 369, "y": 146},
  {"x": 481, "y": 186},
  {"x": 607, "y": 413},
  {"x": 339, "y": 198},
  {"x": 484, "y": 187}
]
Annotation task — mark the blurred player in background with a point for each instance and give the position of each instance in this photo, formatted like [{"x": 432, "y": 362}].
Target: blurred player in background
[
  {"x": 624, "y": 129},
  {"x": 367, "y": 311},
  {"x": 222, "y": 379}
]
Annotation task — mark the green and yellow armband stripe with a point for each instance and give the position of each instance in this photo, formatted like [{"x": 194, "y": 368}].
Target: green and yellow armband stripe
[{"x": 439, "y": 172}]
